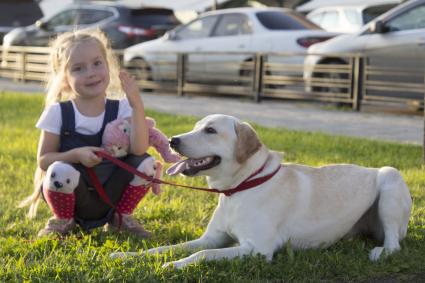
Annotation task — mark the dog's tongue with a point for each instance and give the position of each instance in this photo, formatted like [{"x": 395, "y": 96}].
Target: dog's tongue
[{"x": 178, "y": 167}]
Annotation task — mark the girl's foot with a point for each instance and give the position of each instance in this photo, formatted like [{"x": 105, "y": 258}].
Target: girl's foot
[
  {"x": 57, "y": 226},
  {"x": 128, "y": 224}
]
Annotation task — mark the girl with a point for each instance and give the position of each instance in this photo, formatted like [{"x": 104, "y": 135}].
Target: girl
[{"x": 84, "y": 75}]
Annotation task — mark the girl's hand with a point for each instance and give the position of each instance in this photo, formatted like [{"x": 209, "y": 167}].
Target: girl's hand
[
  {"x": 131, "y": 89},
  {"x": 86, "y": 155}
]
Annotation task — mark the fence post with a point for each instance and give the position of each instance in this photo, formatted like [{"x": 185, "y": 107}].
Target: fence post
[
  {"x": 357, "y": 77},
  {"x": 258, "y": 76},
  {"x": 23, "y": 66},
  {"x": 181, "y": 67}
]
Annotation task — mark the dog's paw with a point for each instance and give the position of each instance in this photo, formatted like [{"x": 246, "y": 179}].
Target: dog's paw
[
  {"x": 174, "y": 265},
  {"x": 375, "y": 253},
  {"x": 168, "y": 265},
  {"x": 122, "y": 255}
]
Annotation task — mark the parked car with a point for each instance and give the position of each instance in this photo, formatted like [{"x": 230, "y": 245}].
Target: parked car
[
  {"x": 394, "y": 40},
  {"x": 228, "y": 30},
  {"x": 348, "y": 18},
  {"x": 15, "y": 14},
  {"x": 124, "y": 25}
]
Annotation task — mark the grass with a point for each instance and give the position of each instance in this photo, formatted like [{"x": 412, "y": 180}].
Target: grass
[{"x": 179, "y": 214}]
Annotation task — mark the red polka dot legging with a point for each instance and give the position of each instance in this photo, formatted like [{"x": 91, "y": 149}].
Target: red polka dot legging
[{"x": 62, "y": 204}]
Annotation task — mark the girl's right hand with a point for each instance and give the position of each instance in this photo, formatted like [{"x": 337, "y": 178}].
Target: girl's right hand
[{"x": 86, "y": 155}]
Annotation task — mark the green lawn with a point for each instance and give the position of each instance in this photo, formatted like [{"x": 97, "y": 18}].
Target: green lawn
[{"x": 179, "y": 214}]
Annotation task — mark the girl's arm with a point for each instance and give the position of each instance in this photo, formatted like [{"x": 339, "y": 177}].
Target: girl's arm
[
  {"x": 48, "y": 152},
  {"x": 139, "y": 135}
]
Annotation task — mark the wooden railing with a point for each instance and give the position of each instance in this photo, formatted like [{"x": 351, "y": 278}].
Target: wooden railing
[{"x": 351, "y": 80}]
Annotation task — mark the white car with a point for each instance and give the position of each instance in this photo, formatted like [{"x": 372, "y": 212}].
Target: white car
[
  {"x": 349, "y": 18},
  {"x": 394, "y": 40},
  {"x": 230, "y": 30}
]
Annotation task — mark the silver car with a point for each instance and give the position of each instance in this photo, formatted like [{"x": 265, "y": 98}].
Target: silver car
[{"x": 394, "y": 40}]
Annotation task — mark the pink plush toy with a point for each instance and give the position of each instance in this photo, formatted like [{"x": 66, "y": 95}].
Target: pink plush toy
[{"x": 116, "y": 139}]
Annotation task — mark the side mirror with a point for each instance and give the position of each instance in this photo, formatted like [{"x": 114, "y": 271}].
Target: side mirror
[
  {"x": 378, "y": 27},
  {"x": 40, "y": 24}
]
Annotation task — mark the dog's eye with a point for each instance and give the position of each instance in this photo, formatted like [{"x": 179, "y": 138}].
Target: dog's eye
[
  {"x": 210, "y": 130},
  {"x": 125, "y": 130},
  {"x": 53, "y": 175},
  {"x": 68, "y": 181}
]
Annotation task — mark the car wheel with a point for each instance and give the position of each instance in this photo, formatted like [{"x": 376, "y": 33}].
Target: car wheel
[
  {"x": 333, "y": 92},
  {"x": 245, "y": 72}
]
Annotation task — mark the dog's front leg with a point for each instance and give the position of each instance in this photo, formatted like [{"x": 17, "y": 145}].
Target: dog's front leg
[
  {"x": 211, "y": 254},
  {"x": 209, "y": 240}
]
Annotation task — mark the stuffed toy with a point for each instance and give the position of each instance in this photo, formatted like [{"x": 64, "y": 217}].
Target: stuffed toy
[
  {"x": 116, "y": 139},
  {"x": 152, "y": 168},
  {"x": 60, "y": 178}
]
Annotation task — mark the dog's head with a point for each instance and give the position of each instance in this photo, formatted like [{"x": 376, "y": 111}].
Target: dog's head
[
  {"x": 61, "y": 177},
  {"x": 218, "y": 144}
]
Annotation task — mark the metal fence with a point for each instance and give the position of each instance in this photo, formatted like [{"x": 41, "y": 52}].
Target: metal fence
[{"x": 343, "y": 79}]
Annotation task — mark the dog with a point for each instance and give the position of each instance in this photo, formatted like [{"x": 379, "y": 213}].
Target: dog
[{"x": 288, "y": 204}]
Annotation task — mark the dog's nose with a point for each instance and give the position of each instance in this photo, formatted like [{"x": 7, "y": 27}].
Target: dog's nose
[
  {"x": 174, "y": 142},
  {"x": 57, "y": 184}
]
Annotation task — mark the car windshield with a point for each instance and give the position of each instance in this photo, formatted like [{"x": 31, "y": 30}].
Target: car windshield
[
  {"x": 275, "y": 20},
  {"x": 19, "y": 13},
  {"x": 151, "y": 17},
  {"x": 372, "y": 12}
]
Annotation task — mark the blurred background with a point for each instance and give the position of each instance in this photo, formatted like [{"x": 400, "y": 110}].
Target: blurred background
[{"x": 353, "y": 53}]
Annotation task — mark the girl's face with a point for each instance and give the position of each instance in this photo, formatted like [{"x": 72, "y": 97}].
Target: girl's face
[{"x": 87, "y": 72}]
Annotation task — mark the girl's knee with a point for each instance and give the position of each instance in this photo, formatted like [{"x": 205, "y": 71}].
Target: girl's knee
[{"x": 61, "y": 177}]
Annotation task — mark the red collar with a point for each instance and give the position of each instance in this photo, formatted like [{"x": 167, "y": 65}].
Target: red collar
[{"x": 249, "y": 183}]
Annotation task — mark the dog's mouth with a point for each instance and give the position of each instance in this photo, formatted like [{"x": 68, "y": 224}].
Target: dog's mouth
[{"x": 192, "y": 166}]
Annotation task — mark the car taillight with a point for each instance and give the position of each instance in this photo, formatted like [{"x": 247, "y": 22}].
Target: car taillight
[
  {"x": 308, "y": 41},
  {"x": 136, "y": 31}
]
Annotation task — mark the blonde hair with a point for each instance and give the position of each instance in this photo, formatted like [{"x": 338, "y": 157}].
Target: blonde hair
[{"x": 61, "y": 49}]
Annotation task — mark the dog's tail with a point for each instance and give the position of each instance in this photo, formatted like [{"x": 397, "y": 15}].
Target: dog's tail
[{"x": 34, "y": 199}]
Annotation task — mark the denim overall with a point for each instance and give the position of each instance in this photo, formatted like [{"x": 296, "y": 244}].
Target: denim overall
[{"x": 90, "y": 210}]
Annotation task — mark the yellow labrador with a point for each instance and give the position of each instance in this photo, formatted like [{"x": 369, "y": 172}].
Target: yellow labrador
[{"x": 307, "y": 207}]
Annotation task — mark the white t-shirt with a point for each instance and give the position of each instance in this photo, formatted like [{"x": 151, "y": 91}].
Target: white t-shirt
[{"x": 51, "y": 119}]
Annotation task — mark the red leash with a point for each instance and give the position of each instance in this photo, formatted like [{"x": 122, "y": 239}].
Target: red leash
[
  {"x": 99, "y": 188},
  {"x": 247, "y": 184}
]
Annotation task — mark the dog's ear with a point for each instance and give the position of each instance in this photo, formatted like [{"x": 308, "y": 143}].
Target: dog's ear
[{"x": 247, "y": 142}]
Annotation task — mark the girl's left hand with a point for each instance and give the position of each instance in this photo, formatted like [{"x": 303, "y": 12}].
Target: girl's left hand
[{"x": 131, "y": 89}]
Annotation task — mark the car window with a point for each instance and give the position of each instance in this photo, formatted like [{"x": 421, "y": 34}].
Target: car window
[
  {"x": 374, "y": 11},
  {"x": 275, "y": 20},
  {"x": 412, "y": 19},
  {"x": 65, "y": 18},
  {"x": 232, "y": 24},
  {"x": 353, "y": 17},
  {"x": 150, "y": 17},
  {"x": 330, "y": 20},
  {"x": 197, "y": 29},
  {"x": 19, "y": 13},
  {"x": 91, "y": 16}
]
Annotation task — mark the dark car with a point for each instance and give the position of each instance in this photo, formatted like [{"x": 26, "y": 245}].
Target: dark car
[
  {"x": 124, "y": 25},
  {"x": 17, "y": 13}
]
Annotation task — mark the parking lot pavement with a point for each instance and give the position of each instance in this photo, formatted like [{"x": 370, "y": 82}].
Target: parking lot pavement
[{"x": 280, "y": 114}]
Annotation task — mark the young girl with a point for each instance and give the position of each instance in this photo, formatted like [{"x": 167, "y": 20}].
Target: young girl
[{"x": 84, "y": 75}]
